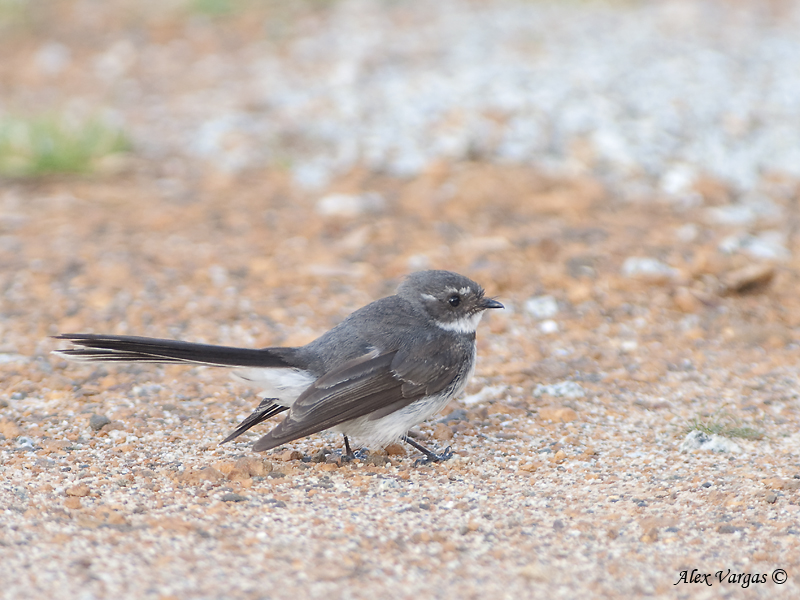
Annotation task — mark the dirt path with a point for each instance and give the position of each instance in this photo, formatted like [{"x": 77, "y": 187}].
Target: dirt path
[{"x": 628, "y": 324}]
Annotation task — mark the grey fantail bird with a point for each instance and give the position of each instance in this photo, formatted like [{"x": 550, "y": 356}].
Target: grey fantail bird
[{"x": 387, "y": 367}]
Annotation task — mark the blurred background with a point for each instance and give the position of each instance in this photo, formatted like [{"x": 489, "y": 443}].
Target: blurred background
[{"x": 657, "y": 93}]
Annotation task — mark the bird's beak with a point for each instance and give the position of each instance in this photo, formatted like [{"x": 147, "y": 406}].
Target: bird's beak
[{"x": 490, "y": 303}]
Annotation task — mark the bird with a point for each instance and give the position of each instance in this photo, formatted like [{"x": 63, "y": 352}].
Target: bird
[{"x": 385, "y": 368}]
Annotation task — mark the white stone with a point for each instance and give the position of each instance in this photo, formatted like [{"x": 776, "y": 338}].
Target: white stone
[
  {"x": 562, "y": 389},
  {"x": 53, "y": 57},
  {"x": 548, "y": 326},
  {"x": 698, "y": 440},
  {"x": 486, "y": 393},
  {"x": 769, "y": 245},
  {"x": 647, "y": 268},
  {"x": 542, "y": 307},
  {"x": 350, "y": 205}
]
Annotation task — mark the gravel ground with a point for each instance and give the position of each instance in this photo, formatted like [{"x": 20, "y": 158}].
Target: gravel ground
[{"x": 293, "y": 164}]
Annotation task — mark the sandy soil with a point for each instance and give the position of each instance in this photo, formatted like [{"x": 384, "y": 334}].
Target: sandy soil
[{"x": 569, "y": 477}]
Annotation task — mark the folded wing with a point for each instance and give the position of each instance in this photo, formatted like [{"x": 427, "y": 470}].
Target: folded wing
[{"x": 373, "y": 384}]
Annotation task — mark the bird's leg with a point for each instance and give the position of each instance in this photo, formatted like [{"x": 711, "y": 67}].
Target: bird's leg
[
  {"x": 347, "y": 447},
  {"x": 349, "y": 454},
  {"x": 430, "y": 456}
]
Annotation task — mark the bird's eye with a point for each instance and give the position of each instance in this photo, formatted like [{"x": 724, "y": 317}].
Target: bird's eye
[{"x": 454, "y": 300}]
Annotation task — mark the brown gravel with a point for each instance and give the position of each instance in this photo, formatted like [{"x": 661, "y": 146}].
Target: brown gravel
[
  {"x": 556, "y": 491},
  {"x": 547, "y": 491}
]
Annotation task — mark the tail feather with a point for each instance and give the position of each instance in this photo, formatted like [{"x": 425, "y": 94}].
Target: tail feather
[
  {"x": 124, "y": 348},
  {"x": 267, "y": 409}
]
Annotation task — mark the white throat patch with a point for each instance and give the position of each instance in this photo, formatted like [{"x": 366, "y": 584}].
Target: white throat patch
[{"x": 462, "y": 325}]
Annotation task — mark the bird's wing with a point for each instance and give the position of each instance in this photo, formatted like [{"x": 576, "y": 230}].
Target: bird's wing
[{"x": 374, "y": 384}]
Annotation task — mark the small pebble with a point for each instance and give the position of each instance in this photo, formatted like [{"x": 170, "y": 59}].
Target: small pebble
[
  {"x": 727, "y": 529},
  {"x": 376, "y": 460},
  {"x": 649, "y": 269},
  {"x": 97, "y": 422},
  {"x": 562, "y": 389},
  {"x": 748, "y": 279},
  {"x": 72, "y": 503},
  {"x": 231, "y": 497},
  {"x": 542, "y": 307},
  {"x": 460, "y": 414},
  {"x": 349, "y": 205},
  {"x": 78, "y": 491}
]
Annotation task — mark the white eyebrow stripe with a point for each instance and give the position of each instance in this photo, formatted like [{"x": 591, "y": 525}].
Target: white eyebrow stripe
[
  {"x": 463, "y": 291},
  {"x": 428, "y": 297}
]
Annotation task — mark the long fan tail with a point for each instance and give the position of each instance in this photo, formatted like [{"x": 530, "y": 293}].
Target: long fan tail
[{"x": 124, "y": 348}]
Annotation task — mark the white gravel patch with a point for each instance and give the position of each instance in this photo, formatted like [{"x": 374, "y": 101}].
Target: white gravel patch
[{"x": 657, "y": 94}]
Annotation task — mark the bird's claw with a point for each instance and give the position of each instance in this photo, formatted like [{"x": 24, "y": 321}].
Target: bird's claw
[
  {"x": 360, "y": 454},
  {"x": 432, "y": 457}
]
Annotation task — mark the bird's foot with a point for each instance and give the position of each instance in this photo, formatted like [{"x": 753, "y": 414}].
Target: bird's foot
[
  {"x": 350, "y": 456},
  {"x": 360, "y": 454},
  {"x": 430, "y": 455}
]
